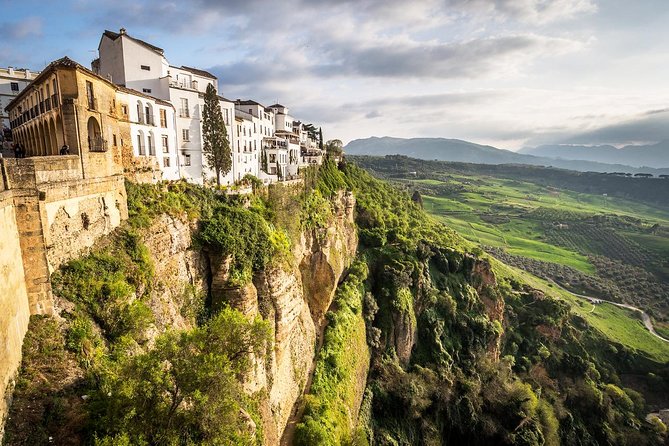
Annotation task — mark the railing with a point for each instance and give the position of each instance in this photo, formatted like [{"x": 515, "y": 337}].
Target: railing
[
  {"x": 97, "y": 144},
  {"x": 184, "y": 113},
  {"x": 47, "y": 104}
]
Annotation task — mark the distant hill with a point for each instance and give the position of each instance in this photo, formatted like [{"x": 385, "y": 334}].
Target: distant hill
[
  {"x": 656, "y": 155},
  {"x": 443, "y": 149}
]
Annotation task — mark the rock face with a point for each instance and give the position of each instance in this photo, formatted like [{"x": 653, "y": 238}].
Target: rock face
[
  {"x": 485, "y": 281},
  {"x": 180, "y": 271},
  {"x": 293, "y": 298},
  {"x": 296, "y": 301}
]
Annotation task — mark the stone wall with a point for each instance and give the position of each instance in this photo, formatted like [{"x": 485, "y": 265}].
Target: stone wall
[
  {"x": 49, "y": 214},
  {"x": 14, "y": 311}
]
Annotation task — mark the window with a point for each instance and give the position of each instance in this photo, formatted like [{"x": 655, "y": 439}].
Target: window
[
  {"x": 145, "y": 67},
  {"x": 185, "y": 135},
  {"x": 166, "y": 147},
  {"x": 140, "y": 144},
  {"x": 152, "y": 151},
  {"x": 183, "y": 112},
  {"x": 89, "y": 93},
  {"x": 163, "y": 118},
  {"x": 114, "y": 139},
  {"x": 186, "y": 160},
  {"x": 146, "y": 90},
  {"x": 15, "y": 86},
  {"x": 124, "y": 109},
  {"x": 166, "y": 162},
  {"x": 147, "y": 114}
]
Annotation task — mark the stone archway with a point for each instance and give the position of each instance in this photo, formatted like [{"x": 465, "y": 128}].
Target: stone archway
[
  {"x": 95, "y": 142},
  {"x": 60, "y": 139},
  {"x": 52, "y": 137}
]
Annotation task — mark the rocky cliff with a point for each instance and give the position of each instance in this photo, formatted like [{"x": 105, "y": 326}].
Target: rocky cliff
[{"x": 293, "y": 296}]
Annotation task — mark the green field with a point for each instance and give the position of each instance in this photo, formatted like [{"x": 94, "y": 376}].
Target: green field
[
  {"x": 521, "y": 218},
  {"x": 617, "y": 324}
]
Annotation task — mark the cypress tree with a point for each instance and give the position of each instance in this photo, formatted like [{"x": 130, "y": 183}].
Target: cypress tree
[{"x": 215, "y": 144}]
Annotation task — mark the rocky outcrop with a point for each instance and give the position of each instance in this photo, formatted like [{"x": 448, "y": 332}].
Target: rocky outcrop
[
  {"x": 295, "y": 299},
  {"x": 485, "y": 284},
  {"x": 180, "y": 272}
]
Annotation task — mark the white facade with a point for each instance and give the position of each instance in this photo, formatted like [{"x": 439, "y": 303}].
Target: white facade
[
  {"x": 142, "y": 67},
  {"x": 138, "y": 65},
  {"x": 12, "y": 82},
  {"x": 153, "y": 131}
]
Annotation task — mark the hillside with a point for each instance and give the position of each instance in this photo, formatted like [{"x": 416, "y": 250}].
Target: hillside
[
  {"x": 334, "y": 312},
  {"x": 656, "y": 155},
  {"x": 462, "y": 151}
]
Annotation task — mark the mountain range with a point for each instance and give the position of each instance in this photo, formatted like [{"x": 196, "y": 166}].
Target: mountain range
[
  {"x": 656, "y": 155},
  {"x": 444, "y": 149}
]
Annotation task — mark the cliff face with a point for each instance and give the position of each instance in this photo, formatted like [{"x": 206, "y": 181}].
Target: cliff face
[{"x": 293, "y": 297}]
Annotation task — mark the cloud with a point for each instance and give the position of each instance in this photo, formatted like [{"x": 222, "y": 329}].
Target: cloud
[
  {"x": 537, "y": 12},
  {"x": 28, "y": 27},
  {"x": 651, "y": 126},
  {"x": 465, "y": 59}
]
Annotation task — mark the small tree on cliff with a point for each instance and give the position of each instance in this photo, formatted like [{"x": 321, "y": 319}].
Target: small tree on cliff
[
  {"x": 215, "y": 144},
  {"x": 320, "y": 138}
]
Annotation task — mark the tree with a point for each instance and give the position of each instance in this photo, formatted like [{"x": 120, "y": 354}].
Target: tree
[
  {"x": 215, "y": 144},
  {"x": 320, "y": 138},
  {"x": 334, "y": 147},
  {"x": 186, "y": 389},
  {"x": 263, "y": 161}
]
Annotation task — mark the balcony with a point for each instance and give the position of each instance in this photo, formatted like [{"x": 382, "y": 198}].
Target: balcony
[{"x": 97, "y": 144}]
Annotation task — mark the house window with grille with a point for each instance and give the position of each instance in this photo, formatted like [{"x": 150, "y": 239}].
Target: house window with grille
[
  {"x": 163, "y": 118},
  {"x": 166, "y": 147},
  {"x": 186, "y": 160},
  {"x": 166, "y": 162},
  {"x": 185, "y": 135}
]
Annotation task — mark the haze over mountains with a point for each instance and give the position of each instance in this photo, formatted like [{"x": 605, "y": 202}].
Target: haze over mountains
[
  {"x": 632, "y": 159},
  {"x": 655, "y": 155}
]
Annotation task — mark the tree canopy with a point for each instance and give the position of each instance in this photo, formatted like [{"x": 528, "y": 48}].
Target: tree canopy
[{"x": 215, "y": 144}]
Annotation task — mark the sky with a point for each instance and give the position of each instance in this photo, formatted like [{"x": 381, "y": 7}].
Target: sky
[{"x": 510, "y": 73}]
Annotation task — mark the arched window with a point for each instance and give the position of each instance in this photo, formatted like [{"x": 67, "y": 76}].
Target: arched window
[{"x": 95, "y": 141}]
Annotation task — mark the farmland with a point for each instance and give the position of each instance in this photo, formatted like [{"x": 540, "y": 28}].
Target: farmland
[{"x": 599, "y": 245}]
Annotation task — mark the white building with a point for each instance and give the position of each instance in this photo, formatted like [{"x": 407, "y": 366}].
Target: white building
[
  {"x": 136, "y": 64},
  {"x": 255, "y": 122},
  {"x": 12, "y": 82},
  {"x": 152, "y": 130}
]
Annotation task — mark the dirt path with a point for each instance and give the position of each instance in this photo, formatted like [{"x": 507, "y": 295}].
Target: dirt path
[{"x": 596, "y": 300}]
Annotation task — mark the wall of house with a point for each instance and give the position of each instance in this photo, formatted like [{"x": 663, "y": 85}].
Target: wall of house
[
  {"x": 111, "y": 60},
  {"x": 14, "y": 311}
]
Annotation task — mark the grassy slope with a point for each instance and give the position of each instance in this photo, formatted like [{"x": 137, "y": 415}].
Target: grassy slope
[
  {"x": 517, "y": 237},
  {"x": 617, "y": 324}
]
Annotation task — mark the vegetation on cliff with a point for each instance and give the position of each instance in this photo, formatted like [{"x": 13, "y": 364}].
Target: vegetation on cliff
[{"x": 465, "y": 351}]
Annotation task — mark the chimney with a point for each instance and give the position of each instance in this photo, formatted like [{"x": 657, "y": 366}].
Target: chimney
[
  {"x": 11, "y": 71},
  {"x": 122, "y": 31}
]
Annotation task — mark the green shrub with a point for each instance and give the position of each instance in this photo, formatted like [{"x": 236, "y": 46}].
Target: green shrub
[{"x": 246, "y": 237}]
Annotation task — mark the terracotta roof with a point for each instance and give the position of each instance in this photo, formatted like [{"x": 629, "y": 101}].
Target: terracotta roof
[
  {"x": 198, "y": 72},
  {"x": 248, "y": 102},
  {"x": 113, "y": 36},
  {"x": 148, "y": 96},
  {"x": 62, "y": 62}
]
